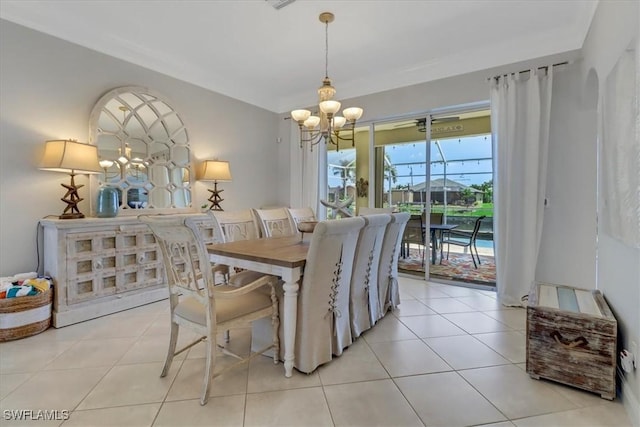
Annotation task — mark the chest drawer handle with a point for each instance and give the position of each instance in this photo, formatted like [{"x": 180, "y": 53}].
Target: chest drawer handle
[{"x": 578, "y": 342}]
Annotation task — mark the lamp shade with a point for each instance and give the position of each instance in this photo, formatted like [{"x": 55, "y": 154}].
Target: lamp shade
[
  {"x": 214, "y": 170},
  {"x": 300, "y": 115},
  {"x": 352, "y": 114},
  {"x": 67, "y": 156},
  {"x": 330, "y": 106}
]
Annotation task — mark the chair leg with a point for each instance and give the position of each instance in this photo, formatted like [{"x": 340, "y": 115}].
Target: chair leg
[
  {"x": 477, "y": 255},
  {"x": 173, "y": 340},
  {"x": 472, "y": 257},
  {"x": 209, "y": 368},
  {"x": 275, "y": 326},
  {"x": 227, "y": 337}
]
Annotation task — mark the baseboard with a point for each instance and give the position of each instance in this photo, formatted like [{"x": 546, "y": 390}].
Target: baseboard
[{"x": 630, "y": 401}]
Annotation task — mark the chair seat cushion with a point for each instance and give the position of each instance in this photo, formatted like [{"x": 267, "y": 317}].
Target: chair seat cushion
[{"x": 226, "y": 309}]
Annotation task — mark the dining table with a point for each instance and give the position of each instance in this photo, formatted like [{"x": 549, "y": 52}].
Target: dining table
[{"x": 279, "y": 256}]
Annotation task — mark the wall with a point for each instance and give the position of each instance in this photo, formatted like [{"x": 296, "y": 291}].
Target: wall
[
  {"x": 48, "y": 87},
  {"x": 615, "y": 28}
]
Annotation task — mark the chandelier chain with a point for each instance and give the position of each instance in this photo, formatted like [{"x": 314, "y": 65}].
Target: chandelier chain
[{"x": 326, "y": 50}]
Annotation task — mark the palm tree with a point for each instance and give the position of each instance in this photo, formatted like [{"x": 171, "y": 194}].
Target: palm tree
[{"x": 346, "y": 171}]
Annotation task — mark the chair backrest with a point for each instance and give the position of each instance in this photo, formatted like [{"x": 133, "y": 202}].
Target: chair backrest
[
  {"x": 185, "y": 259},
  {"x": 364, "y": 278},
  {"x": 414, "y": 230},
  {"x": 476, "y": 227},
  {"x": 238, "y": 225},
  {"x": 436, "y": 217},
  {"x": 301, "y": 214},
  {"x": 323, "y": 326},
  {"x": 371, "y": 211},
  {"x": 388, "y": 294},
  {"x": 275, "y": 222}
]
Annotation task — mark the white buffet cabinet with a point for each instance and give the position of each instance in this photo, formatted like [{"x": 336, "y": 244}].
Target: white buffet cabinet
[{"x": 104, "y": 265}]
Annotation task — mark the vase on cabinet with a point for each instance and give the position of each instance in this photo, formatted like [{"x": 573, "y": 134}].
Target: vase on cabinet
[{"x": 108, "y": 202}]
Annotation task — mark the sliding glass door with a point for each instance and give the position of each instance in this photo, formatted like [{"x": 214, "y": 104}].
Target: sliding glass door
[{"x": 439, "y": 169}]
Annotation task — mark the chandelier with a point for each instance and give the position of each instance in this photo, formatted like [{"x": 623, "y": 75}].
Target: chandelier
[{"x": 327, "y": 126}]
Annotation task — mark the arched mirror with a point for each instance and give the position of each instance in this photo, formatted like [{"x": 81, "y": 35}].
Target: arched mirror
[{"x": 143, "y": 148}]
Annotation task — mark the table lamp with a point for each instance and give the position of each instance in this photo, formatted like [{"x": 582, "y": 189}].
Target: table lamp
[
  {"x": 72, "y": 157},
  {"x": 214, "y": 170}
]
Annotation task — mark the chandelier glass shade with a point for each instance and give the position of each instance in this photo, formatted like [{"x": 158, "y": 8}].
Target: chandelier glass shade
[{"x": 326, "y": 125}]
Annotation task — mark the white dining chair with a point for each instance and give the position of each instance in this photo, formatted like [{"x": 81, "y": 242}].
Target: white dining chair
[
  {"x": 275, "y": 222},
  {"x": 323, "y": 326},
  {"x": 196, "y": 303},
  {"x": 388, "y": 293},
  {"x": 298, "y": 215},
  {"x": 364, "y": 278},
  {"x": 233, "y": 226}
]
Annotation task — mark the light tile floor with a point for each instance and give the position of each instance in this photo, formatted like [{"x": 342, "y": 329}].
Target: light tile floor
[{"x": 448, "y": 356}]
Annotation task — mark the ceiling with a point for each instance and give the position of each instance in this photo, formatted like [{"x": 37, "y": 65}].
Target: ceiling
[{"x": 274, "y": 59}]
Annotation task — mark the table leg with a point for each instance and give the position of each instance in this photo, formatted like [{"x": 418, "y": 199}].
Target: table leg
[
  {"x": 433, "y": 246},
  {"x": 290, "y": 315}
]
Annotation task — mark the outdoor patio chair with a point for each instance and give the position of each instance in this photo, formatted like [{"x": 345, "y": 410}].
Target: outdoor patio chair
[
  {"x": 435, "y": 218},
  {"x": 464, "y": 239},
  {"x": 414, "y": 234},
  {"x": 196, "y": 303}
]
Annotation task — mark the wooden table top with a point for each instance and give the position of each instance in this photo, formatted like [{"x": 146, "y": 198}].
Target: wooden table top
[{"x": 282, "y": 251}]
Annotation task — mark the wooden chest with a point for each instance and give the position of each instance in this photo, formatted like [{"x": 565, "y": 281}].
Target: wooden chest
[{"x": 571, "y": 338}]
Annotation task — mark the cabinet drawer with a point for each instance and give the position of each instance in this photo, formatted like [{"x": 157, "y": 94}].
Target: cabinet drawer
[
  {"x": 89, "y": 244},
  {"x": 140, "y": 276},
  {"x": 135, "y": 237},
  {"x": 96, "y": 264},
  {"x": 89, "y": 287}
]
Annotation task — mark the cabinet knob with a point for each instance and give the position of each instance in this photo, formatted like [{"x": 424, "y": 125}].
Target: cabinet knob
[
  {"x": 142, "y": 259},
  {"x": 97, "y": 265}
]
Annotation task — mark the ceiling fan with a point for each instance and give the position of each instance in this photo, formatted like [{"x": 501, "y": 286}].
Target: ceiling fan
[{"x": 422, "y": 122}]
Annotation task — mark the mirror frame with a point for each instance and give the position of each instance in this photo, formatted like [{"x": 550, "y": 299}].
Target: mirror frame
[{"x": 95, "y": 133}]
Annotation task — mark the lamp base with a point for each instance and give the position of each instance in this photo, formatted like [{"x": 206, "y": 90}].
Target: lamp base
[
  {"x": 71, "y": 198},
  {"x": 215, "y": 198},
  {"x": 76, "y": 215}
]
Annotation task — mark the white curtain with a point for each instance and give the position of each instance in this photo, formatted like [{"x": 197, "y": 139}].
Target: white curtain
[
  {"x": 520, "y": 111},
  {"x": 159, "y": 175},
  {"x": 304, "y": 187},
  {"x": 621, "y": 152}
]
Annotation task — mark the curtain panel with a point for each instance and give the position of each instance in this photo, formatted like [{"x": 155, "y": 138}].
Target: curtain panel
[
  {"x": 520, "y": 112},
  {"x": 621, "y": 152},
  {"x": 304, "y": 184}
]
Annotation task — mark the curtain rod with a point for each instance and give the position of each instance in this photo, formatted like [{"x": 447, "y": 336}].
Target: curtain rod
[{"x": 546, "y": 67}]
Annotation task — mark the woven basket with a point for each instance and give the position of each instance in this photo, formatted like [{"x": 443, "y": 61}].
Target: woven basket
[{"x": 25, "y": 316}]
